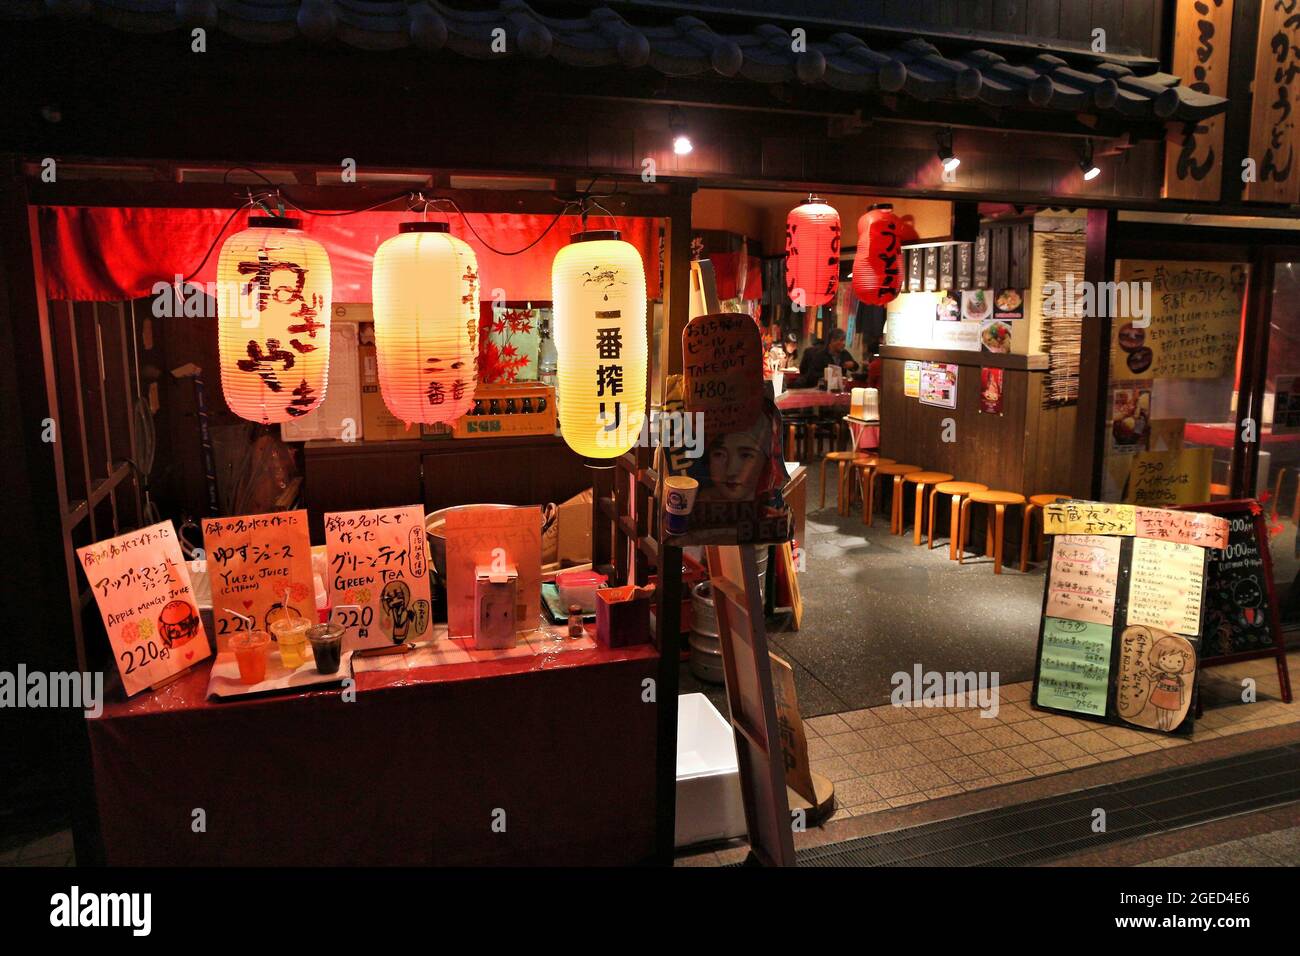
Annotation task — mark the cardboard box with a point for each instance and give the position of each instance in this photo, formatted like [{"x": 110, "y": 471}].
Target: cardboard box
[{"x": 574, "y": 520}]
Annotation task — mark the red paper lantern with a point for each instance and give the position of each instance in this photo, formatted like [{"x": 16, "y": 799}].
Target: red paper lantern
[
  {"x": 878, "y": 266},
  {"x": 812, "y": 253}
]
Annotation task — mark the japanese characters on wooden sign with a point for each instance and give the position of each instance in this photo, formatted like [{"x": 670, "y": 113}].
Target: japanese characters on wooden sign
[
  {"x": 378, "y": 575},
  {"x": 144, "y": 594},
  {"x": 1274, "y": 130},
  {"x": 1194, "y": 151},
  {"x": 253, "y": 560}
]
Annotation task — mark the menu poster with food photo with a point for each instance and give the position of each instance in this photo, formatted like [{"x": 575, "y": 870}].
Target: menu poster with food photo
[
  {"x": 991, "y": 391},
  {"x": 948, "y": 308},
  {"x": 378, "y": 565},
  {"x": 995, "y": 336},
  {"x": 938, "y": 385},
  {"x": 1130, "y": 415},
  {"x": 1009, "y": 304},
  {"x": 253, "y": 561},
  {"x": 911, "y": 379},
  {"x": 1175, "y": 319},
  {"x": 977, "y": 305},
  {"x": 144, "y": 594}
]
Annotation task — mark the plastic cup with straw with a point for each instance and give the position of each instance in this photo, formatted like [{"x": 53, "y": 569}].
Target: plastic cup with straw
[{"x": 290, "y": 632}]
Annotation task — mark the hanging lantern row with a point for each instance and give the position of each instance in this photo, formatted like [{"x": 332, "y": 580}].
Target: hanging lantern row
[
  {"x": 812, "y": 254},
  {"x": 878, "y": 265},
  {"x": 274, "y": 289}
]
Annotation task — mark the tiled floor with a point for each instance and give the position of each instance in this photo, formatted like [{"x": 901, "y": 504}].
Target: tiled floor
[{"x": 886, "y": 757}]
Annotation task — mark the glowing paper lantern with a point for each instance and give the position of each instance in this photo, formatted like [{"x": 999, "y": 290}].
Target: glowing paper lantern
[
  {"x": 273, "y": 307},
  {"x": 425, "y": 285},
  {"x": 812, "y": 253},
  {"x": 878, "y": 266},
  {"x": 599, "y": 297}
]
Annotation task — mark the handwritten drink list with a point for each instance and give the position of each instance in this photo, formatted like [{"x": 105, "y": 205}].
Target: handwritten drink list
[
  {"x": 1074, "y": 664},
  {"x": 253, "y": 560},
  {"x": 379, "y": 577},
  {"x": 1165, "y": 585},
  {"x": 722, "y": 357},
  {"x": 145, "y": 598}
]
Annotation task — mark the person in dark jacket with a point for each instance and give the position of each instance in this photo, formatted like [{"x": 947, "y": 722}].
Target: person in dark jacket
[{"x": 812, "y": 369}]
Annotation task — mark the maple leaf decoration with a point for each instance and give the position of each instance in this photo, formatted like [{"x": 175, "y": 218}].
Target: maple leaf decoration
[
  {"x": 500, "y": 361},
  {"x": 1255, "y": 509}
]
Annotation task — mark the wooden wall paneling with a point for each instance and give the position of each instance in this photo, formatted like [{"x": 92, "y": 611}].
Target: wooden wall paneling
[
  {"x": 1020, "y": 263},
  {"x": 1076, "y": 21},
  {"x": 1043, "y": 17},
  {"x": 1274, "y": 130},
  {"x": 999, "y": 257},
  {"x": 1010, "y": 16},
  {"x": 1241, "y": 79},
  {"x": 350, "y": 479}
]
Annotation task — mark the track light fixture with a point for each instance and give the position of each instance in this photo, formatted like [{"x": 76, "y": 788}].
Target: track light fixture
[
  {"x": 682, "y": 144},
  {"x": 1090, "y": 169},
  {"x": 946, "y": 155}
]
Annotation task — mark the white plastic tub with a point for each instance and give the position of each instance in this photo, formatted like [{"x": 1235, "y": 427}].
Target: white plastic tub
[{"x": 709, "y": 806}]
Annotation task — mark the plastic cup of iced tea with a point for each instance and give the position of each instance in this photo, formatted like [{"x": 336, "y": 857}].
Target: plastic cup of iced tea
[
  {"x": 251, "y": 651},
  {"x": 326, "y": 646}
]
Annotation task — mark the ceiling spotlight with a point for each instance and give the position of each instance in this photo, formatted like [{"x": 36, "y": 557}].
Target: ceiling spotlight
[
  {"x": 682, "y": 144},
  {"x": 1090, "y": 169},
  {"x": 946, "y": 155}
]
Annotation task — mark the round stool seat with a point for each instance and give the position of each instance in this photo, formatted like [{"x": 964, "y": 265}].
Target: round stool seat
[
  {"x": 894, "y": 468},
  {"x": 1042, "y": 501},
  {"x": 959, "y": 487},
  {"x": 840, "y": 455},
  {"x": 995, "y": 497},
  {"x": 928, "y": 477}
]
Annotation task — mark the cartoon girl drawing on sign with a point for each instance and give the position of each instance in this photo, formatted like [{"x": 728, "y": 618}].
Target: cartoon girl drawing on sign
[
  {"x": 1170, "y": 659},
  {"x": 401, "y": 618}
]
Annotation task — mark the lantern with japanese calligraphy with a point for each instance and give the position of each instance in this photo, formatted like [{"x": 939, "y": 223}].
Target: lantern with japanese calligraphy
[
  {"x": 812, "y": 253},
  {"x": 425, "y": 285},
  {"x": 878, "y": 266},
  {"x": 599, "y": 296},
  {"x": 273, "y": 307}
]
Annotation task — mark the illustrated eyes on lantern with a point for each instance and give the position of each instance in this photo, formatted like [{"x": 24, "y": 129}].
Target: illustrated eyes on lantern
[
  {"x": 425, "y": 294},
  {"x": 812, "y": 253},
  {"x": 599, "y": 299},
  {"x": 273, "y": 320}
]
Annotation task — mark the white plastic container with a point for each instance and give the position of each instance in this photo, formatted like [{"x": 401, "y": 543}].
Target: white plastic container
[{"x": 709, "y": 805}]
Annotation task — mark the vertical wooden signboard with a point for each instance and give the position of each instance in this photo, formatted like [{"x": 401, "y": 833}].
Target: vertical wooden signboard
[
  {"x": 1194, "y": 151},
  {"x": 1274, "y": 126}
]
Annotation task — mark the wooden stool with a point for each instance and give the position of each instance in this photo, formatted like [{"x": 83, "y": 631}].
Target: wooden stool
[
  {"x": 796, "y": 439},
  {"x": 867, "y": 464},
  {"x": 1036, "y": 503},
  {"x": 897, "y": 472},
  {"x": 844, "y": 458},
  {"x": 997, "y": 522},
  {"x": 958, "y": 490},
  {"x": 921, "y": 479}
]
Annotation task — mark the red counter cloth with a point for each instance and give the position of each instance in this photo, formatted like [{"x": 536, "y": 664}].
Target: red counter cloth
[{"x": 411, "y": 772}]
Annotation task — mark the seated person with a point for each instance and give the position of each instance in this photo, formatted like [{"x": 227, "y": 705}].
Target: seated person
[{"x": 813, "y": 367}]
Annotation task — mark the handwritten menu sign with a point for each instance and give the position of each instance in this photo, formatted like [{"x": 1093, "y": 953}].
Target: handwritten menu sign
[
  {"x": 1184, "y": 527},
  {"x": 1165, "y": 586},
  {"x": 252, "y": 561},
  {"x": 1089, "y": 517},
  {"x": 1194, "y": 319},
  {"x": 378, "y": 562},
  {"x": 143, "y": 590},
  {"x": 1177, "y": 477},
  {"x": 1241, "y": 614},
  {"x": 1074, "y": 667},
  {"x": 1084, "y": 574},
  {"x": 722, "y": 360}
]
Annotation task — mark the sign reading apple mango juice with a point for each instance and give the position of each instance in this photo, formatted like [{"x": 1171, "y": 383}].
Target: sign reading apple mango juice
[{"x": 144, "y": 594}]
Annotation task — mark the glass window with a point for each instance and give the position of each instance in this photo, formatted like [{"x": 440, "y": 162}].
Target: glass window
[{"x": 1279, "y": 453}]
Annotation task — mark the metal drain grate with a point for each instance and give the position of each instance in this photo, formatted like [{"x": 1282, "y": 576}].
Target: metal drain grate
[{"x": 1043, "y": 830}]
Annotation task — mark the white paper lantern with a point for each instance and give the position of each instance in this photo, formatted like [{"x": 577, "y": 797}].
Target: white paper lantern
[
  {"x": 599, "y": 296},
  {"x": 273, "y": 307},
  {"x": 425, "y": 293}
]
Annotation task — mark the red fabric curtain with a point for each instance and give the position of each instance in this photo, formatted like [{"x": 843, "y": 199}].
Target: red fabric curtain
[{"x": 110, "y": 254}]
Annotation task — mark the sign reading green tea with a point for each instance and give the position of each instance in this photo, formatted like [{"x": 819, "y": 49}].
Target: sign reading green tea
[
  {"x": 378, "y": 575},
  {"x": 143, "y": 590}
]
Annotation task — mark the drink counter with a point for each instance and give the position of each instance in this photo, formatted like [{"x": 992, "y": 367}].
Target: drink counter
[{"x": 526, "y": 758}]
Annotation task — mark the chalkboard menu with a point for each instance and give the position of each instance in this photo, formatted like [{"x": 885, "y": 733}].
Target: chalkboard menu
[{"x": 1241, "y": 610}]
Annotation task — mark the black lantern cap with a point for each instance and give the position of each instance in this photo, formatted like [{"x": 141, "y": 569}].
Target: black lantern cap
[
  {"x": 424, "y": 227},
  {"x": 274, "y": 222},
  {"x": 592, "y": 235}
]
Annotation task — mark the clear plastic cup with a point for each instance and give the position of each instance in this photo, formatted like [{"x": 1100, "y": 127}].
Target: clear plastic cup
[
  {"x": 291, "y": 634},
  {"x": 326, "y": 646},
  {"x": 251, "y": 651}
]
